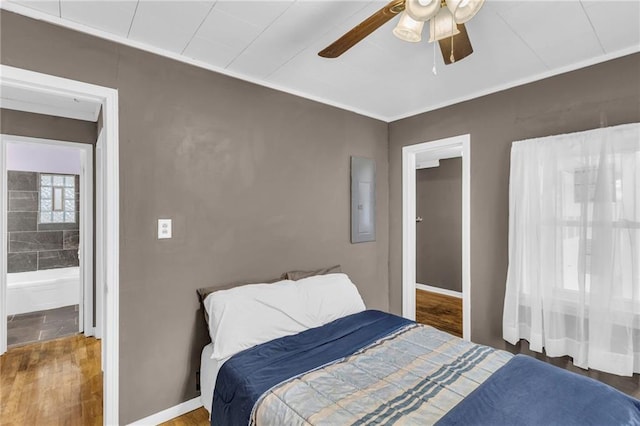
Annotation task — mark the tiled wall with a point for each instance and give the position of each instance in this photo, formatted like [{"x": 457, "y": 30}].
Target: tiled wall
[{"x": 32, "y": 245}]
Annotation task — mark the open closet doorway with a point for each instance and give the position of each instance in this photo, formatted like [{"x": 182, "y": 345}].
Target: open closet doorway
[{"x": 436, "y": 229}]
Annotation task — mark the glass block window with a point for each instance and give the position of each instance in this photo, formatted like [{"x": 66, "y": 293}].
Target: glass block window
[{"x": 57, "y": 199}]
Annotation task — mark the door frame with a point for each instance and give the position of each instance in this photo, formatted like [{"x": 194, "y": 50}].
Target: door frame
[
  {"x": 85, "y": 223},
  {"x": 409, "y": 153},
  {"x": 108, "y": 99},
  {"x": 99, "y": 228}
]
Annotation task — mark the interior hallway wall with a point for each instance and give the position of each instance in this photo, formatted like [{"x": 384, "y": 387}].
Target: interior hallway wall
[
  {"x": 20, "y": 123},
  {"x": 439, "y": 235}
]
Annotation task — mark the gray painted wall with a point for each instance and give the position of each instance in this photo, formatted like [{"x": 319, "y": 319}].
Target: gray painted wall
[
  {"x": 22, "y": 123},
  {"x": 570, "y": 102},
  {"x": 439, "y": 235},
  {"x": 256, "y": 182}
]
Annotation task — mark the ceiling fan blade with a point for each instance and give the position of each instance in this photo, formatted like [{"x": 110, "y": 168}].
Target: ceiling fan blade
[
  {"x": 461, "y": 46},
  {"x": 363, "y": 29}
]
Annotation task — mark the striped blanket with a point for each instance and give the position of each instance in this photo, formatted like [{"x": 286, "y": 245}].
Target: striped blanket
[{"x": 413, "y": 376}]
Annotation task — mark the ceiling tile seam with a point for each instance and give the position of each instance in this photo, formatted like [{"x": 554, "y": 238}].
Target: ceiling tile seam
[
  {"x": 593, "y": 28},
  {"x": 198, "y": 27},
  {"x": 523, "y": 40},
  {"x": 135, "y": 12},
  {"x": 258, "y": 36},
  {"x": 305, "y": 48}
]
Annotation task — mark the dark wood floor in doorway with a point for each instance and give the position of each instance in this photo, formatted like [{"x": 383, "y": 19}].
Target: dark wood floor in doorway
[{"x": 439, "y": 311}]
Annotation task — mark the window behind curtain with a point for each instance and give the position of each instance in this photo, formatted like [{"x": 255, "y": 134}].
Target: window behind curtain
[{"x": 573, "y": 284}]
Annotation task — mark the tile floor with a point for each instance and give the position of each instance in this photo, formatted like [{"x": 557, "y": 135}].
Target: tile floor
[{"x": 42, "y": 325}]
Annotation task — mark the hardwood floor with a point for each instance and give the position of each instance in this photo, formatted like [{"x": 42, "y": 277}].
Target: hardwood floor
[
  {"x": 440, "y": 311},
  {"x": 199, "y": 417},
  {"x": 58, "y": 382}
]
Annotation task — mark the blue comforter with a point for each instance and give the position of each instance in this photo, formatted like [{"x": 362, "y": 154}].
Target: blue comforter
[
  {"x": 278, "y": 360},
  {"x": 526, "y": 391},
  {"x": 437, "y": 370}
]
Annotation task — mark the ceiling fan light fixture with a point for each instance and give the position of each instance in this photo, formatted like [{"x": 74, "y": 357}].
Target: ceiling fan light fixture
[
  {"x": 422, "y": 10},
  {"x": 408, "y": 29},
  {"x": 464, "y": 10},
  {"x": 442, "y": 26}
]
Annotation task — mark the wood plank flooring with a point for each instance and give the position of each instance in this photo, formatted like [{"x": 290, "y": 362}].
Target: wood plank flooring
[
  {"x": 440, "y": 311},
  {"x": 58, "y": 382},
  {"x": 199, "y": 417}
]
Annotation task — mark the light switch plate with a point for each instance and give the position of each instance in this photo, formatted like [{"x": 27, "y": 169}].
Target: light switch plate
[{"x": 164, "y": 228}]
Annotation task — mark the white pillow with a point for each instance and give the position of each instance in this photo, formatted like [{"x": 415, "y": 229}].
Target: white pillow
[
  {"x": 329, "y": 297},
  {"x": 249, "y": 315}
]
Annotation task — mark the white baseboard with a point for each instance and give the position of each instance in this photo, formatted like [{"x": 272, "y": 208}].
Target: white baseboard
[
  {"x": 439, "y": 290},
  {"x": 169, "y": 413}
]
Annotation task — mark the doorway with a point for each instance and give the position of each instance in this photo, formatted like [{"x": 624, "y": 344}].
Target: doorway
[
  {"x": 49, "y": 275},
  {"x": 439, "y": 243},
  {"x": 30, "y": 91},
  {"x": 424, "y": 156}
]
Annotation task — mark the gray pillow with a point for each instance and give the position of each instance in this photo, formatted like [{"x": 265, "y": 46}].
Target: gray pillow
[
  {"x": 298, "y": 275},
  {"x": 205, "y": 291}
]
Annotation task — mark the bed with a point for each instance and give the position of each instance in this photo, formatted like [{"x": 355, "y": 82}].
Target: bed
[{"x": 336, "y": 363}]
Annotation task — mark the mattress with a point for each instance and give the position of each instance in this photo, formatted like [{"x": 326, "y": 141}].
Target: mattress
[{"x": 208, "y": 373}]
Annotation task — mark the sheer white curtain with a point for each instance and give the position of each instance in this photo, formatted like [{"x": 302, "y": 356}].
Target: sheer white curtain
[{"x": 573, "y": 285}]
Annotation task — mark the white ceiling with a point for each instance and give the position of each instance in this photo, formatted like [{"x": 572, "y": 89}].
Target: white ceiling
[{"x": 275, "y": 43}]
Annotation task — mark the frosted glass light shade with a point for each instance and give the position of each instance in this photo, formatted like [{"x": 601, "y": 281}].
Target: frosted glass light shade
[
  {"x": 408, "y": 29},
  {"x": 464, "y": 10},
  {"x": 422, "y": 10},
  {"x": 442, "y": 26}
]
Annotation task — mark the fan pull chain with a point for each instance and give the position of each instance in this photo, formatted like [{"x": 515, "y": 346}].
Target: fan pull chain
[
  {"x": 433, "y": 70},
  {"x": 453, "y": 24},
  {"x": 451, "y": 57}
]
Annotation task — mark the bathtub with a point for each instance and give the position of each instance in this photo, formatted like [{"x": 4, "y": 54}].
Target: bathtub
[{"x": 41, "y": 290}]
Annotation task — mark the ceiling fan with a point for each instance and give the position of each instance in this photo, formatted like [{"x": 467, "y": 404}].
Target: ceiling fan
[{"x": 446, "y": 25}]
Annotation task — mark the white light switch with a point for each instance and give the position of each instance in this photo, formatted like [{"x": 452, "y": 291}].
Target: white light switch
[{"x": 164, "y": 228}]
